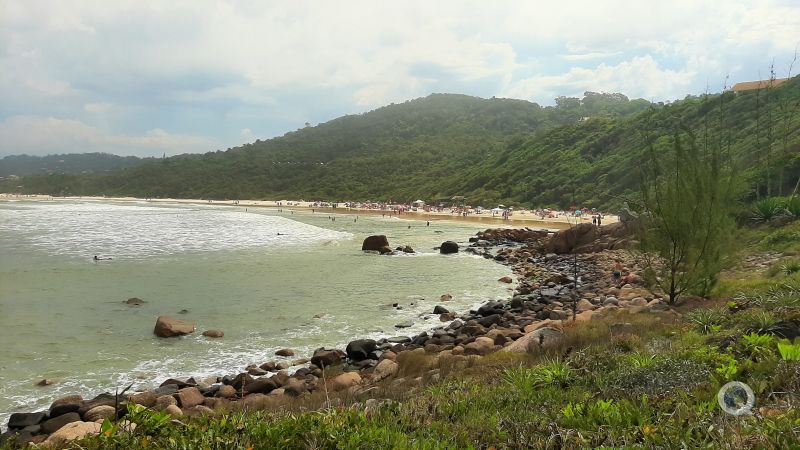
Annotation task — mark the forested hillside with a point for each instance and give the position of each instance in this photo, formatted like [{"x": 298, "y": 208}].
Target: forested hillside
[
  {"x": 584, "y": 151},
  {"x": 73, "y": 163}
]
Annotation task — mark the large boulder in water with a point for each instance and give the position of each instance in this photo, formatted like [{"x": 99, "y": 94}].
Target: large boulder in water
[
  {"x": 448, "y": 247},
  {"x": 327, "y": 357},
  {"x": 169, "y": 327},
  {"x": 377, "y": 243},
  {"x": 362, "y": 349}
]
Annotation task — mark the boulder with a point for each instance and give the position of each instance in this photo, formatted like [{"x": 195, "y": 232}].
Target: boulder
[
  {"x": 71, "y": 432},
  {"x": 408, "y": 249},
  {"x": 240, "y": 381},
  {"x": 169, "y": 327},
  {"x": 405, "y": 324},
  {"x": 45, "y": 382},
  {"x": 22, "y": 420},
  {"x": 188, "y": 397},
  {"x": 506, "y": 280},
  {"x": 535, "y": 340},
  {"x": 344, "y": 381},
  {"x": 260, "y": 386},
  {"x": 285, "y": 352},
  {"x": 448, "y": 247},
  {"x": 173, "y": 411},
  {"x": 147, "y": 399},
  {"x": 133, "y": 301},
  {"x": 99, "y": 413},
  {"x": 446, "y": 297},
  {"x": 584, "y": 305},
  {"x": 163, "y": 402},
  {"x": 64, "y": 405},
  {"x": 438, "y": 309},
  {"x": 385, "y": 369},
  {"x": 327, "y": 357},
  {"x": 481, "y": 346},
  {"x": 52, "y": 425},
  {"x": 256, "y": 371},
  {"x": 375, "y": 243},
  {"x": 569, "y": 240},
  {"x": 213, "y": 333},
  {"x": 447, "y": 317},
  {"x": 362, "y": 349},
  {"x": 295, "y": 387},
  {"x": 226, "y": 391}
]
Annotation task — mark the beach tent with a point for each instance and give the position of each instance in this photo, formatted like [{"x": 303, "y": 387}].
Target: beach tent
[
  {"x": 418, "y": 203},
  {"x": 497, "y": 210}
]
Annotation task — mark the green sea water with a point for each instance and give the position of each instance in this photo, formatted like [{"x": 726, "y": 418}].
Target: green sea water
[{"x": 268, "y": 278}]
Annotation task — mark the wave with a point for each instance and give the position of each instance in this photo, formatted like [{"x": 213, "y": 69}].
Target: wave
[{"x": 137, "y": 232}]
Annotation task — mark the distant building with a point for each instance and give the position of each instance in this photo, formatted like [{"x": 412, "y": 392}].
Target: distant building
[{"x": 761, "y": 84}]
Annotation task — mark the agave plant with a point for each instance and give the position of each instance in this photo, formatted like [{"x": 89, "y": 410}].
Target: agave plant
[
  {"x": 792, "y": 207},
  {"x": 769, "y": 209}
]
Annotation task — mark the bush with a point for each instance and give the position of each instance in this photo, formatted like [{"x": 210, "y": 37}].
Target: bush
[
  {"x": 758, "y": 345},
  {"x": 789, "y": 351},
  {"x": 768, "y": 209},
  {"x": 707, "y": 320},
  {"x": 551, "y": 373}
]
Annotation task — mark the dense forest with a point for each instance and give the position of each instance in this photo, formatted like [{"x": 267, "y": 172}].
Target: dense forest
[
  {"x": 581, "y": 151},
  {"x": 72, "y": 163}
]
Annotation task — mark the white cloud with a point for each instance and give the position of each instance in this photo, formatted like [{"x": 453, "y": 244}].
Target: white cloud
[
  {"x": 639, "y": 77},
  {"x": 218, "y": 60},
  {"x": 41, "y": 136}
]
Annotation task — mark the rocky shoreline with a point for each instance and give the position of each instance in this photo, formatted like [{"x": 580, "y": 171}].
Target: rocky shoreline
[{"x": 546, "y": 294}]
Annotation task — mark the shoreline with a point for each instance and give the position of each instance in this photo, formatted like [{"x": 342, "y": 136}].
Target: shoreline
[
  {"x": 519, "y": 219},
  {"x": 507, "y": 325}
]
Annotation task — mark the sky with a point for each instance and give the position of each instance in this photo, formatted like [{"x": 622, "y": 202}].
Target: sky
[{"x": 146, "y": 78}]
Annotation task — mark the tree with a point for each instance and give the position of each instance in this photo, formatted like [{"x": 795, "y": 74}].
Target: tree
[{"x": 687, "y": 221}]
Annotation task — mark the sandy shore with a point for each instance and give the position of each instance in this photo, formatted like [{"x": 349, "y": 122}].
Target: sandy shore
[{"x": 519, "y": 219}]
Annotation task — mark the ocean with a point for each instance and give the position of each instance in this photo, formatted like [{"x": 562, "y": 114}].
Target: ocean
[{"x": 268, "y": 278}]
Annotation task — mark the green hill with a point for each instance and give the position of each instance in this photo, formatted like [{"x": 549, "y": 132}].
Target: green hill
[
  {"x": 583, "y": 151},
  {"x": 73, "y": 163}
]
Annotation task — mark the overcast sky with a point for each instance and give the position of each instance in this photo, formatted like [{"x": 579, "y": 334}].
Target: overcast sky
[{"x": 144, "y": 77}]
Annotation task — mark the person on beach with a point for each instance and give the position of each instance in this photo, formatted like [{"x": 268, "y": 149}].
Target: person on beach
[
  {"x": 429, "y": 223},
  {"x": 617, "y": 274}
]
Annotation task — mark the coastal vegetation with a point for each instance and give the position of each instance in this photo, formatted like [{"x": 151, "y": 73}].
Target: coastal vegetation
[
  {"x": 72, "y": 163},
  {"x": 580, "y": 151}
]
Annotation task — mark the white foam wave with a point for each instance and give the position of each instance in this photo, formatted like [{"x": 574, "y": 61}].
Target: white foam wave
[{"x": 135, "y": 231}]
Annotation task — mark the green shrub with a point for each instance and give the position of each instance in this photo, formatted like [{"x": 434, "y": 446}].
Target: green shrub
[
  {"x": 768, "y": 209},
  {"x": 590, "y": 416},
  {"x": 757, "y": 321},
  {"x": 789, "y": 351},
  {"x": 550, "y": 373},
  {"x": 707, "y": 319},
  {"x": 758, "y": 345}
]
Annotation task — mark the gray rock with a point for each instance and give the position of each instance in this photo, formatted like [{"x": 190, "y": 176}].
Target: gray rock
[
  {"x": 52, "y": 425},
  {"x": 22, "y": 420}
]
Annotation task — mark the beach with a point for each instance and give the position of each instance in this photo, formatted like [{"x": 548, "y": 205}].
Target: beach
[{"x": 522, "y": 218}]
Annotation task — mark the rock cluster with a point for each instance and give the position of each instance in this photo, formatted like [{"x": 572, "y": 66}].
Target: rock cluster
[{"x": 547, "y": 293}]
